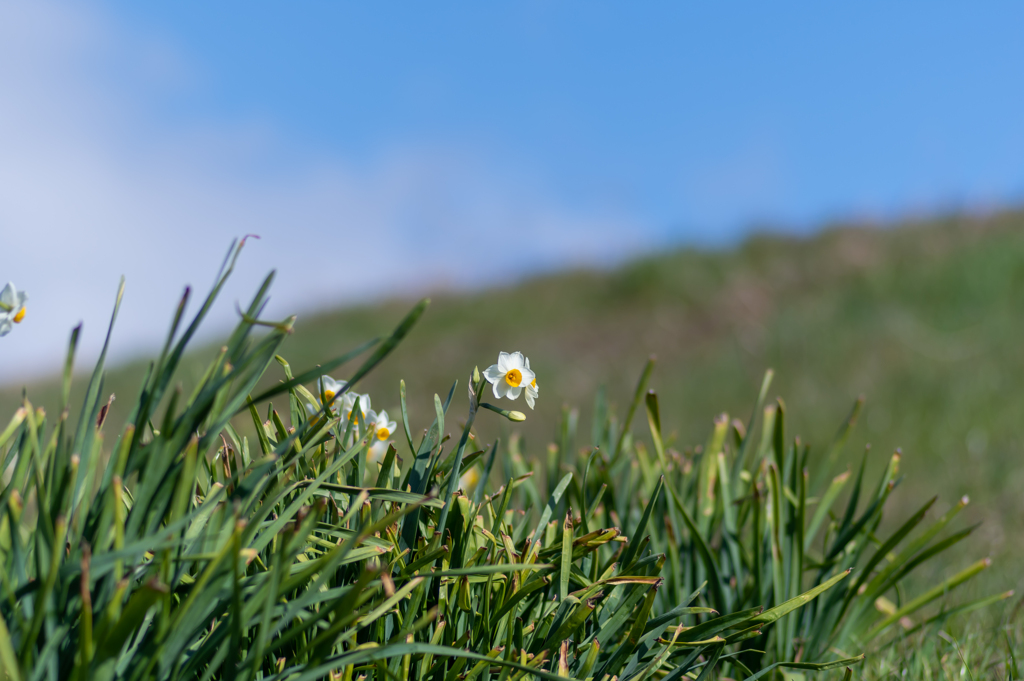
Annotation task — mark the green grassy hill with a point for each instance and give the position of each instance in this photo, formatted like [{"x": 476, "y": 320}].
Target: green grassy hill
[{"x": 924, "y": 319}]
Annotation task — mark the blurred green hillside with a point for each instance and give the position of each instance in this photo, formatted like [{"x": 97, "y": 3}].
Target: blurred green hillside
[{"x": 924, "y": 319}]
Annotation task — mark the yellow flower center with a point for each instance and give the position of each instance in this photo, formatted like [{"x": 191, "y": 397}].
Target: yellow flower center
[
  {"x": 514, "y": 378},
  {"x": 18, "y": 317},
  {"x": 383, "y": 434},
  {"x": 534, "y": 383},
  {"x": 329, "y": 394}
]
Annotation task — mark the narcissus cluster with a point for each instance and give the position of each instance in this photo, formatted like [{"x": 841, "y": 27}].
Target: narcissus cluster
[
  {"x": 510, "y": 377},
  {"x": 355, "y": 408}
]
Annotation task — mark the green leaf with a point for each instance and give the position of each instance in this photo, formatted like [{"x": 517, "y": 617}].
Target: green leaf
[
  {"x": 773, "y": 614},
  {"x": 128, "y": 623},
  {"x": 495, "y": 569},
  {"x": 824, "y": 506},
  {"x": 714, "y": 573},
  {"x": 364, "y": 655},
  {"x": 929, "y": 596},
  {"x": 630, "y": 554},
  {"x": 378, "y": 493},
  {"x": 713, "y": 627},
  {"x": 8, "y": 660},
  {"x": 566, "y": 566},
  {"x": 885, "y": 549},
  {"x": 638, "y": 395},
  {"x": 810, "y": 666},
  {"x": 549, "y": 509}
]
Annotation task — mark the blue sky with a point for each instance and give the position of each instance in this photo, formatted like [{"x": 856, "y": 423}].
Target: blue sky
[
  {"x": 383, "y": 148},
  {"x": 696, "y": 117}
]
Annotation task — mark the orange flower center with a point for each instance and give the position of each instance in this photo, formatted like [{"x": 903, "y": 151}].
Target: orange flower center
[
  {"x": 329, "y": 394},
  {"x": 383, "y": 434},
  {"x": 18, "y": 317},
  {"x": 534, "y": 383},
  {"x": 514, "y": 378}
]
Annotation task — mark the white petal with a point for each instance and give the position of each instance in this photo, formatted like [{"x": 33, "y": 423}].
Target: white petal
[
  {"x": 377, "y": 451},
  {"x": 517, "y": 361},
  {"x": 527, "y": 362},
  {"x": 504, "y": 360},
  {"x": 392, "y": 426},
  {"x": 513, "y": 393},
  {"x": 493, "y": 373},
  {"x": 530, "y": 397},
  {"x": 382, "y": 418},
  {"x": 5, "y": 325},
  {"x": 8, "y": 294},
  {"x": 22, "y": 298},
  {"x": 364, "y": 403},
  {"x": 332, "y": 385},
  {"x": 501, "y": 388},
  {"x": 370, "y": 417},
  {"x": 528, "y": 376}
]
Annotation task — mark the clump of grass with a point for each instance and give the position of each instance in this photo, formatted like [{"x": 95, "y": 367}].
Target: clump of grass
[
  {"x": 194, "y": 546},
  {"x": 741, "y": 513}
]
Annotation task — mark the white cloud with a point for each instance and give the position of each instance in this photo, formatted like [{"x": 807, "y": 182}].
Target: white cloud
[{"x": 95, "y": 182}]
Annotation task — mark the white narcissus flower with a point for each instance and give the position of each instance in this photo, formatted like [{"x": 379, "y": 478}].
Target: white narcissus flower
[
  {"x": 382, "y": 428},
  {"x": 348, "y": 403},
  {"x": 509, "y": 375},
  {"x": 314, "y": 412},
  {"x": 12, "y": 308},
  {"x": 531, "y": 389},
  {"x": 328, "y": 387},
  {"x": 377, "y": 451}
]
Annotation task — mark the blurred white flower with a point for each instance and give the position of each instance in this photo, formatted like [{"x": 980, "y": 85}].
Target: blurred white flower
[
  {"x": 383, "y": 427},
  {"x": 509, "y": 375},
  {"x": 531, "y": 388},
  {"x": 313, "y": 411},
  {"x": 329, "y": 388},
  {"x": 12, "y": 307},
  {"x": 377, "y": 451},
  {"x": 348, "y": 403}
]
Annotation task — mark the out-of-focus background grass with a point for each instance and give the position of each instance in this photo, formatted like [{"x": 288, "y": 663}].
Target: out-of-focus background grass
[{"x": 923, "y": 319}]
